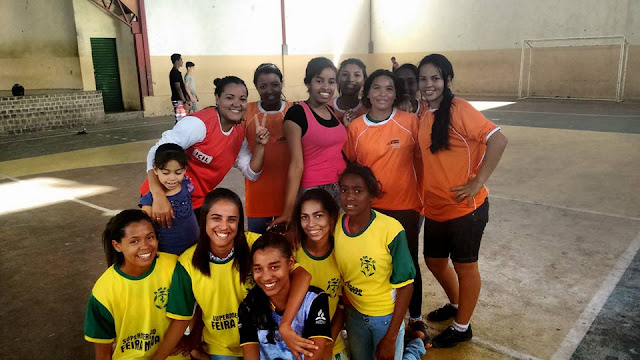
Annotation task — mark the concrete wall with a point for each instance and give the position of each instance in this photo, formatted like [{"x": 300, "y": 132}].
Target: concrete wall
[
  {"x": 38, "y": 46},
  {"x": 92, "y": 22}
]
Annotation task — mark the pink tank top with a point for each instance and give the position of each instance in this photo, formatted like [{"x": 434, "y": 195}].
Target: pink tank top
[{"x": 321, "y": 152}]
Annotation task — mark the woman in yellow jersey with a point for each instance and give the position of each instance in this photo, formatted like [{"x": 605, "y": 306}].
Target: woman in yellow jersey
[
  {"x": 265, "y": 196},
  {"x": 261, "y": 311},
  {"x": 214, "y": 273},
  {"x": 386, "y": 140},
  {"x": 126, "y": 314},
  {"x": 408, "y": 75},
  {"x": 375, "y": 264},
  {"x": 314, "y": 220},
  {"x": 351, "y": 77},
  {"x": 460, "y": 149}
]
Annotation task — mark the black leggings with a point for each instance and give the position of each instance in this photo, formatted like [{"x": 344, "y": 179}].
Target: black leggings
[{"x": 410, "y": 219}]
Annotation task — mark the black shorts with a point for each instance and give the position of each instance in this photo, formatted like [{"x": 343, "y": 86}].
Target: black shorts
[{"x": 457, "y": 238}]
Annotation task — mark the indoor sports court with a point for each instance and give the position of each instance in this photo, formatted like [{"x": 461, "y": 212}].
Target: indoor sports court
[{"x": 559, "y": 260}]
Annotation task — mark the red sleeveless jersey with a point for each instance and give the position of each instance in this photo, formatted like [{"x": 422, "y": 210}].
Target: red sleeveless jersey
[{"x": 210, "y": 159}]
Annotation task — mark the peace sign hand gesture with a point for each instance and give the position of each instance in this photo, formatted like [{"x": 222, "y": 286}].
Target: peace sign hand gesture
[{"x": 262, "y": 133}]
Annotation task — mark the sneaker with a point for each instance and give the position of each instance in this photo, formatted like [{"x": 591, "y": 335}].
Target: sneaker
[
  {"x": 444, "y": 313},
  {"x": 450, "y": 337}
]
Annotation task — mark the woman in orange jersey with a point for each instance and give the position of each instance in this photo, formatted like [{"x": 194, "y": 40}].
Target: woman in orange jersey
[
  {"x": 351, "y": 76},
  {"x": 460, "y": 149},
  {"x": 408, "y": 75},
  {"x": 386, "y": 140},
  {"x": 265, "y": 196}
]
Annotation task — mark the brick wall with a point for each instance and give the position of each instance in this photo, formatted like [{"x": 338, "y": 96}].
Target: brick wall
[{"x": 31, "y": 113}]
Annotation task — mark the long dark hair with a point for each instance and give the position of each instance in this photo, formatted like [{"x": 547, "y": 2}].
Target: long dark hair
[
  {"x": 257, "y": 303},
  {"x": 241, "y": 257},
  {"x": 442, "y": 116},
  {"x": 329, "y": 205},
  {"x": 115, "y": 230}
]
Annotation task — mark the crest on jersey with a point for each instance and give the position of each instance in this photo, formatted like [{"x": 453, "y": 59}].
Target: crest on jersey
[
  {"x": 367, "y": 266},
  {"x": 160, "y": 297},
  {"x": 332, "y": 287}
]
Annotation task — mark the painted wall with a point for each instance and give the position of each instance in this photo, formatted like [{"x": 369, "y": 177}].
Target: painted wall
[
  {"x": 482, "y": 39},
  {"x": 38, "y": 46},
  {"x": 92, "y": 22},
  {"x": 484, "y": 42},
  {"x": 234, "y": 37}
]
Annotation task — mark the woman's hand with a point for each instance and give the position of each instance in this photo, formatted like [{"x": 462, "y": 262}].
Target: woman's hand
[
  {"x": 296, "y": 343},
  {"x": 468, "y": 190},
  {"x": 406, "y": 105},
  {"x": 347, "y": 117},
  {"x": 283, "y": 219},
  {"x": 262, "y": 133},
  {"x": 386, "y": 349},
  {"x": 161, "y": 211}
]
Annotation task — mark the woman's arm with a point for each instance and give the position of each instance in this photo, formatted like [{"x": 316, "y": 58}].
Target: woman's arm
[
  {"x": 387, "y": 346},
  {"x": 103, "y": 351},
  {"x": 495, "y": 147},
  {"x": 251, "y": 352},
  {"x": 337, "y": 323},
  {"x": 300, "y": 281},
  {"x": 171, "y": 338},
  {"x": 293, "y": 133}
]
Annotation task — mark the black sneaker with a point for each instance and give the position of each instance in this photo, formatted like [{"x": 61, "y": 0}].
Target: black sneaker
[
  {"x": 451, "y": 337},
  {"x": 444, "y": 313}
]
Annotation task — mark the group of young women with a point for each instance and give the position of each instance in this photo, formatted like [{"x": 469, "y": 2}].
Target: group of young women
[{"x": 376, "y": 151}]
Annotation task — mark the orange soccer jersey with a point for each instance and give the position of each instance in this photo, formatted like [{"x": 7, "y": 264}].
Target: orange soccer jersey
[
  {"x": 468, "y": 134},
  {"x": 265, "y": 197},
  {"x": 390, "y": 149}
]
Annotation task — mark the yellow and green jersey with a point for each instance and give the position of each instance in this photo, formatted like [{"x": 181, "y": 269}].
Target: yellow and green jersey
[
  {"x": 218, "y": 295},
  {"x": 326, "y": 276},
  {"x": 131, "y": 311},
  {"x": 373, "y": 263}
]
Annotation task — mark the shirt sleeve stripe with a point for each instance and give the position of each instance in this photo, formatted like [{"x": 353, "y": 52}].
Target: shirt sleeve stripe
[
  {"x": 179, "y": 317},
  {"x": 492, "y": 132},
  {"x": 99, "y": 341},
  {"x": 321, "y": 336},
  {"x": 249, "y": 343},
  {"x": 402, "y": 284}
]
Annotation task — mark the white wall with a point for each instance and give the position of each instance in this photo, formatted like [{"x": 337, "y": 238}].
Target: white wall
[
  {"x": 213, "y": 27},
  {"x": 327, "y": 27},
  {"x": 440, "y": 25}
]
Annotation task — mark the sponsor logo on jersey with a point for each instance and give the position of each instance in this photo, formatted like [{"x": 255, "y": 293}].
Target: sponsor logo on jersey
[
  {"x": 320, "y": 318},
  {"x": 367, "y": 266},
  {"x": 353, "y": 289},
  {"x": 202, "y": 156},
  {"x": 395, "y": 143},
  {"x": 225, "y": 321},
  {"x": 160, "y": 297},
  {"x": 140, "y": 341}
]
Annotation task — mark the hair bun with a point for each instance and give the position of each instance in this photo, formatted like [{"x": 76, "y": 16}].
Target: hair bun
[{"x": 216, "y": 81}]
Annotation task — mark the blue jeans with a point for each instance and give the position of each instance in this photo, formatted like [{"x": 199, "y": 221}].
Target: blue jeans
[
  {"x": 258, "y": 224},
  {"x": 365, "y": 332},
  {"x": 225, "y": 357},
  {"x": 415, "y": 350}
]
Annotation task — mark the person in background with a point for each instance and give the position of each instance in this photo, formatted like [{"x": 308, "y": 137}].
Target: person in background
[
  {"x": 178, "y": 92},
  {"x": 190, "y": 84},
  {"x": 351, "y": 76},
  {"x": 394, "y": 63}
]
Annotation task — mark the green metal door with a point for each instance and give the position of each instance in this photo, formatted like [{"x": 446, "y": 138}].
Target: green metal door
[{"x": 105, "y": 68}]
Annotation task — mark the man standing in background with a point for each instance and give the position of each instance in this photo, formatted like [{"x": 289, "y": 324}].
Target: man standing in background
[
  {"x": 178, "y": 91},
  {"x": 190, "y": 83}
]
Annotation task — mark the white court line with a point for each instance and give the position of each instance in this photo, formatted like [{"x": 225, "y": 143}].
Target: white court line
[
  {"x": 559, "y": 113},
  {"x": 503, "y": 349},
  {"x": 105, "y": 211},
  {"x": 493, "y": 195},
  {"x": 89, "y": 131},
  {"x": 582, "y": 325}
]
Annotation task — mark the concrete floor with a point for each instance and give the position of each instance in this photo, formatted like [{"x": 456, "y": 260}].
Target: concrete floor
[{"x": 559, "y": 257}]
